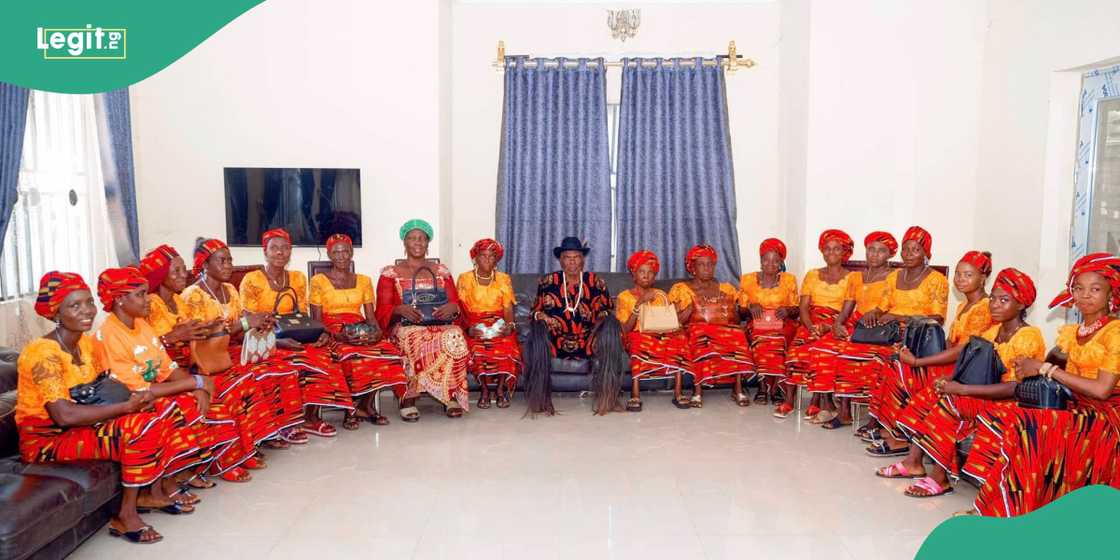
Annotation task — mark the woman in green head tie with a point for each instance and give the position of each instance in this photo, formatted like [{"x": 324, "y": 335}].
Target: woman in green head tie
[{"x": 435, "y": 355}]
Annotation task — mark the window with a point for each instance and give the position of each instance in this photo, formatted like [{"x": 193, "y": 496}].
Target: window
[
  {"x": 612, "y": 143},
  {"x": 59, "y": 221},
  {"x": 1104, "y": 219}
]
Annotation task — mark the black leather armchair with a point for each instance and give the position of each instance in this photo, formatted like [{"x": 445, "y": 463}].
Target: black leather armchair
[{"x": 47, "y": 510}]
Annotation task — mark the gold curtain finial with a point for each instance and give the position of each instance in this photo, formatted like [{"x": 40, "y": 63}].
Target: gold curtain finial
[
  {"x": 732, "y": 57},
  {"x": 500, "y": 61}
]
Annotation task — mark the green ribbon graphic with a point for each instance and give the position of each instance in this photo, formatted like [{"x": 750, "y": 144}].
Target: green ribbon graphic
[{"x": 152, "y": 34}]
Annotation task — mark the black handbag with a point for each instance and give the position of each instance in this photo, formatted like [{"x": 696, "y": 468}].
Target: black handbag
[
  {"x": 356, "y": 333},
  {"x": 979, "y": 363},
  {"x": 885, "y": 334},
  {"x": 426, "y": 301},
  {"x": 1040, "y": 392},
  {"x": 101, "y": 391},
  {"x": 296, "y": 325},
  {"x": 924, "y": 337}
]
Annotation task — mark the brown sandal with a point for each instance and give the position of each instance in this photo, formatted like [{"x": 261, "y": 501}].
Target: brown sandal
[{"x": 352, "y": 421}]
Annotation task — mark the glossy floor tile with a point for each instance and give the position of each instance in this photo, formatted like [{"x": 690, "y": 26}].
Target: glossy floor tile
[{"x": 717, "y": 482}]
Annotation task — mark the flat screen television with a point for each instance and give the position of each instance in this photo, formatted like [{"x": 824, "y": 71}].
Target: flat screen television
[{"x": 311, "y": 203}]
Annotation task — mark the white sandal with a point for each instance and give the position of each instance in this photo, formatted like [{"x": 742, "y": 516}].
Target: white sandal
[{"x": 410, "y": 414}]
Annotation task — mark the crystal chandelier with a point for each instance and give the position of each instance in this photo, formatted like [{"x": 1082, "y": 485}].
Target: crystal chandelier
[{"x": 624, "y": 23}]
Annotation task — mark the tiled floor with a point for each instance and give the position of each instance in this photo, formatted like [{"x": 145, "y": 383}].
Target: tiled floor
[{"x": 718, "y": 482}]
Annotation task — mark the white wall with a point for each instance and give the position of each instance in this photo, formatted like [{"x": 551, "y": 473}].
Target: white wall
[
  {"x": 893, "y": 109},
  {"x": 1035, "y": 53},
  {"x": 580, "y": 29},
  {"x": 296, "y": 83},
  {"x": 862, "y": 114}
]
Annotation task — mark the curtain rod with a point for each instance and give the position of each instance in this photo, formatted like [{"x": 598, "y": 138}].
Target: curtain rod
[{"x": 731, "y": 61}]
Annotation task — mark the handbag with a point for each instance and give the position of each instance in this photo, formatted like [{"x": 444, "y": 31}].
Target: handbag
[
  {"x": 357, "y": 334},
  {"x": 257, "y": 346},
  {"x": 658, "y": 318},
  {"x": 1040, "y": 392},
  {"x": 924, "y": 337},
  {"x": 211, "y": 354},
  {"x": 426, "y": 301},
  {"x": 885, "y": 334},
  {"x": 103, "y": 390},
  {"x": 979, "y": 363},
  {"x": 718, "y": 310},
  {"x": 768, "y": 323},
  {"x": 295, "y": 325}
]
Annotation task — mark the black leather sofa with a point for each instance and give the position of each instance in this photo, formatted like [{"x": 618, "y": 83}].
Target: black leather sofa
[{"x": 46, "y": 511}]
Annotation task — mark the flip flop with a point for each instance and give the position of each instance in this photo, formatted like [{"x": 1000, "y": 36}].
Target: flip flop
[
  {"x": 173, "y": 508},
  {"x": 696, "y": 402},
  {"x": 503, "y": 401},
  {"x": 634, "y": 405},
  {"x": 135, "y": 536},
  {"x": 835, "y": 423},
  {"x": 320, "y": 428},
  {"x": 682, "y": 404},
  {"x": 783, "y": 410},
  {"x": 237, "y": 474},
  {"x": 932, "y": 488},
  {"x": 410, "y": 414},
  {"x": 352, "y": 421},
  {"x": 881, "y": 449},
  {"x": 812, "y": 412},
  {"x": 824, "y": 416},
  {"x": 897, "y": 470},
  {"x": 741, "y": 399}
]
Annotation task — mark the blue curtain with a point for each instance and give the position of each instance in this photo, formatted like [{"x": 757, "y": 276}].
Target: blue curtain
[
  {"x": 554, "y": 170},
  {"x": 13, "y": 122},
  {"x": 115, "y": 138},
  {"x": 675, "y": 183}
]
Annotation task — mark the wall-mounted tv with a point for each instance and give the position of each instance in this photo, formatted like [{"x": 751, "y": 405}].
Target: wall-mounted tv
[{"x": 311, "y": 203}]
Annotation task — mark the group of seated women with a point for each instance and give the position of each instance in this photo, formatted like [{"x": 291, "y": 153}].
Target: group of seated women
[
  {"x": 791, "y": 339},
  {"x": 205, "y": 403}
]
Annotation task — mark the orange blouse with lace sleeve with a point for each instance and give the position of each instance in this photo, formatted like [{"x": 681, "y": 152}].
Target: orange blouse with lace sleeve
[
  {"x": 161, "y": 318},
  {"x": 335, "y": 301},
  {"x": 783, "y": 295},
  {"x": 199, "y": 304},
  {"x": 1100, "y": 352},
  {"x": 257, "y": 296},
  {"x": 46, "y": 374}
]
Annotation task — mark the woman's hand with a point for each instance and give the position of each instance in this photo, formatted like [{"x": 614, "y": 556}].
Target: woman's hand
[
  {"x": 950, "y": 387},
  {"x": 139, "y": 400},
  {"x": 647, "y": 297},
  {"x": 907, "y": 357},
  {"x": 476, "y": 332},
  {"x": 783, "y": 313},
  {"x": 817, "y": 330},
  {"x": 408, "y": 313},
  {"x": 189, "y": 330},
  {"x": 756, "y": 311},
  {"x": 323, "y": 339},
  {"x": 871, "y": 318},
  {"x": 447, "y": 311},
  {"x": 261, "y": 321},
  {"x": 839, "y": 331},
  {"x": 1026, "y": 367}
]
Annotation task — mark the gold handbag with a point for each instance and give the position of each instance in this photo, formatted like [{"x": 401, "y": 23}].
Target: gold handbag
[{"x": 658, "y": 318}]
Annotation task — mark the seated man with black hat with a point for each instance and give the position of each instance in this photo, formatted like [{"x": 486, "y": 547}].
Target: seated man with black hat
[{"x": 571, "y": 301}]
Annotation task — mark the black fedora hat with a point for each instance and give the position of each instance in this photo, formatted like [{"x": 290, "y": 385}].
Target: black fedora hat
[{"x": 571, "y": 244}]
